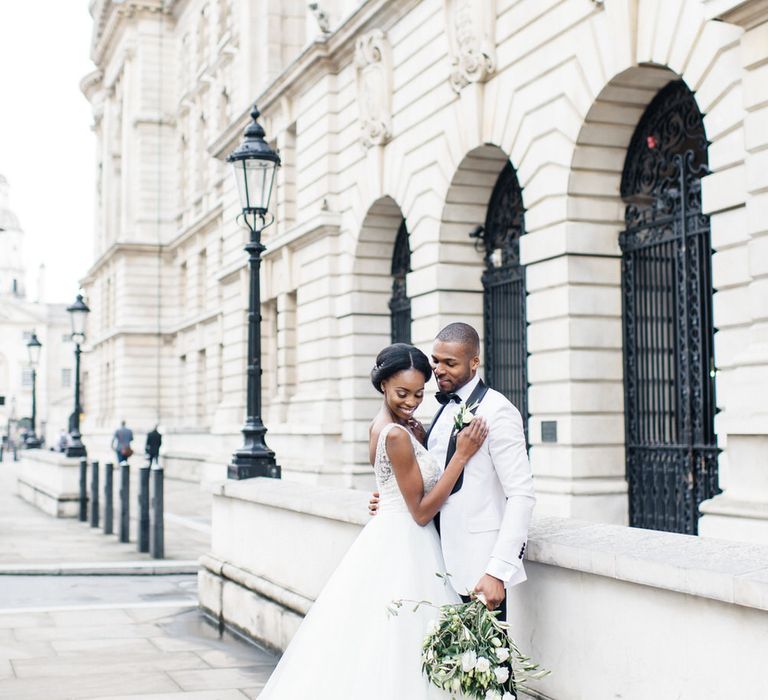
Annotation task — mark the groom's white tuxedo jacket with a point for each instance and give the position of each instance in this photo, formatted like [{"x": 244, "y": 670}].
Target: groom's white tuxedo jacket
[{"x": 484, "y": 525}]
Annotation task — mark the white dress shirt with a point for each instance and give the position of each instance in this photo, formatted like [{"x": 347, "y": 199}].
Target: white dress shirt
[
  {"x": 484, "y": 525},
  {"x": 440, "y": 435}
]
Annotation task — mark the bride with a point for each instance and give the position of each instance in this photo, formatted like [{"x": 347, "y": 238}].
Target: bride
[{"x": 348, "y": 646}]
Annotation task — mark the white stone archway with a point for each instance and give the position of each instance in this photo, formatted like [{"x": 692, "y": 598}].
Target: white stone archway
[{"x": 363, "y": 323}]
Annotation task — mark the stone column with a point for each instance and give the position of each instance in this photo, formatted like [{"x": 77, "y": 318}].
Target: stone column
[{"x": 741, "y": 511}]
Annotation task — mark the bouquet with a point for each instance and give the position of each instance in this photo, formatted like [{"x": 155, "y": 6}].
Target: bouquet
[{"x": 468, "y": 650}]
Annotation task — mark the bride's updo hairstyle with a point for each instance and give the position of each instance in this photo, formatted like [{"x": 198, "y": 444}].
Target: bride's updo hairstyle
[{"x": 396, "y": 358}]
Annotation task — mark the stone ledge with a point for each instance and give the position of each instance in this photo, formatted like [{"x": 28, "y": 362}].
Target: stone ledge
[
  {"x": 731, "y": 572},
  {"x": 257, "y": 584},
  {"x": 345, "y": 505}
]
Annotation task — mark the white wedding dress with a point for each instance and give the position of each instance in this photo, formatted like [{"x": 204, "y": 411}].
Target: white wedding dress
[{"x": 348, "y": 647}]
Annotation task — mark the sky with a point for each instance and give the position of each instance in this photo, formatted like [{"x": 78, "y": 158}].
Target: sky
[{"x": 46, "y": 142}]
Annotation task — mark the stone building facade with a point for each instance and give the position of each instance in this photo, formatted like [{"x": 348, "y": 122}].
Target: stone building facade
[
  {"x": 505, "y": 162},
  {"x": 19, "y": 317}
]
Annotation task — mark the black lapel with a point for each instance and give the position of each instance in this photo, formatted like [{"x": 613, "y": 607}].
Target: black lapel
[{"x": 474, "y": 398}]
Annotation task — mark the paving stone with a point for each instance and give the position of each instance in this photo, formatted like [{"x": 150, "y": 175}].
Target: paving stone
[
  {"x": 247, "y": 656},
  {"x": 68, "y": 647},
  {"x": 107, "y": 662},
  {"x": 194, "y": 695},
  {"x": 77, "y": 632},
  {"x": 222, "y": 678},
  {"x": 156, "y": 614},
  {"x": 165, "y": 644},
  {"x": 94, "y": 685},
  {"x": 20, "y": 620},
  {"x": 25, "y": 650},
  {"x": 91, "y": 617}
]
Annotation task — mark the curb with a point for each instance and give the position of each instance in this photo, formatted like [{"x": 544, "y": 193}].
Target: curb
[{"x": 111, "y": 568}]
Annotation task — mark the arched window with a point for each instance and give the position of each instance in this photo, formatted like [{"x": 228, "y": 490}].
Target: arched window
[
  {"x": 399, "y": 303},
  {"x": 669, "y": 406},
  {"x": 504, "y": 319}
]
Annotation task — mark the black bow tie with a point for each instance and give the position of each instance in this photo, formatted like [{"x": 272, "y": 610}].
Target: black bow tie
[{"x": 444, "y": 397}]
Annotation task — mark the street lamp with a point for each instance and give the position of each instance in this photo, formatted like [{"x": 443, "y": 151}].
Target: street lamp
[
  {"x": 77, "y": 313},
  {"x": 33, "y": 352},
  {"x": 255, "y": 165}
]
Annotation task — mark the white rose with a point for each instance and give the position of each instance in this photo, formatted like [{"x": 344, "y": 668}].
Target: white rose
[
  {"x": 493, "y": 695},
  {"x": 496, "y": 642},
  {"x": 482, "y": 664},
  {"x": 502, "y": 654},
  {"x": 508, "y": 696},
  {"x": 501, "y": 673},
  {"x": 468, "y": 659}
]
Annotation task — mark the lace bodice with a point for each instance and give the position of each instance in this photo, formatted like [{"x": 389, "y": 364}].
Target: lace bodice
[{"x": 389, "y": 493}]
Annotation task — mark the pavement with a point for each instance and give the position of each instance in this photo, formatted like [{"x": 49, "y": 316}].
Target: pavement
[
  {"x": 84, "y": 616},
  {"x": 29, "y": 537}
]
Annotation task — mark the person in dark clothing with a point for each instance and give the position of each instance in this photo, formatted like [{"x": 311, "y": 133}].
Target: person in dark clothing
[{"x": 152, "y": 448}]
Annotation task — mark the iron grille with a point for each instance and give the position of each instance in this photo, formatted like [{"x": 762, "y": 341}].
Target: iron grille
[
  {"x": 506, "y": 353},
  {"x": 671, "y": 450},
  {"x": 399, "y": 303}
]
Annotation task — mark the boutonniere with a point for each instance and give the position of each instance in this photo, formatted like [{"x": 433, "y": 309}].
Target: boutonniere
[{"x": 464, "y": 416}]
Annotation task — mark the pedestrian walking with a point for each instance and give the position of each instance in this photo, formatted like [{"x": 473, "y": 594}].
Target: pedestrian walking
[
  {"x": 121, "y": 442},
  {"x": 152, "y": 447}
]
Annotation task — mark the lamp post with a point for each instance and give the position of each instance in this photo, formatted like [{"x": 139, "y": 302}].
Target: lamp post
[
  {"x": 77, "y": 313},
  {"x": 33, "y": 352},
  {"x": 255, "y": 165}
]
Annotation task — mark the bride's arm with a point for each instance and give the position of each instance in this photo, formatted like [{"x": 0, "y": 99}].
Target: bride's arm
[{"x": 423, "y": 507}]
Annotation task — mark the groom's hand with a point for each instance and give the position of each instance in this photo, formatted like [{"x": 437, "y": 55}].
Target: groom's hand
[
  {"x": 492, "y": 590},
  {"x": 373, "y": 504}
]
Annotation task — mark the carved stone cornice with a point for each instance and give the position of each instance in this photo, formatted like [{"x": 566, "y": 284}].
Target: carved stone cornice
[
  {"x": 320, "y": 57},
  {"x": 470, "y": 26},
  {"x": 373, "y": 73},
  {"x": 744, "y": 13},
  {"x": 109, "y": 15}
]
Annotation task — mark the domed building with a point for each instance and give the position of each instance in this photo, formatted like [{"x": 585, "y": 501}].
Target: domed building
[
  {"x": 19, "y": 318},
  {"x": 11, "y": 241}
]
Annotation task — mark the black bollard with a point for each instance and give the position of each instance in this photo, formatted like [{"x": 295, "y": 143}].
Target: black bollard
[
  {"x": 157, "y": 543},
  {"x": 83, "y": 491},
  {"x": 142, "y": 541},
  {"x": 125, "y": 493},
  {"x": 109, "y": 506},
  {"x": 94, "y": 494}
]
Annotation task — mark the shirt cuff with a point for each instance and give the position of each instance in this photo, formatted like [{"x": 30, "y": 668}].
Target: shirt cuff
[{"x": 502, "y": 570}]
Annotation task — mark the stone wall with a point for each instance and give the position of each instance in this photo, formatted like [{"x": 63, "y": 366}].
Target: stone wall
[{"x": 612, "y": 611}]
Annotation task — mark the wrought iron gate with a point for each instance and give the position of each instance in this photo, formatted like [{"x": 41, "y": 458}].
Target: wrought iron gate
[
  {"x": 506, "y": 352},
  {"x": 671, "y": 451},
  {"x": 399, "y": 303}
]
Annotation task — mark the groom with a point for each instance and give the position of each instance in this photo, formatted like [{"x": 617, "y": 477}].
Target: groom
[{"x": 484, "y": 522}]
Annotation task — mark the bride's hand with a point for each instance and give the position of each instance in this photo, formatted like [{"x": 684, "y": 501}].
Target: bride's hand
[
  {"x": 373, "y": 504},
  {"x": 471, "y": 438},
  {"x": 418, "y": 430}
]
